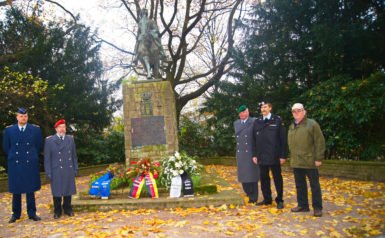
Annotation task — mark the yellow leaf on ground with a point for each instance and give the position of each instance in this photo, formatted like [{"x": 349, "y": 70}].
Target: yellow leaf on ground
[
  {"x": 335, "y": 234},
  {"x": 289, "y": 233}
]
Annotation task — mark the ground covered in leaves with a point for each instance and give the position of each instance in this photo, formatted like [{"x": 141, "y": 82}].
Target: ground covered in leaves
[{"x": 351, "y": 209}]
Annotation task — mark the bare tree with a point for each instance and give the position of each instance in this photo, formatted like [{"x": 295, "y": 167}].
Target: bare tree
[{"x": 198, "y": 37}]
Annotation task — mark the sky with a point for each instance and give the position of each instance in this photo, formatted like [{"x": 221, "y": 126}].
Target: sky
[
  {"x": 107, "y": 17},
  {"x": 110, "y": 21}
]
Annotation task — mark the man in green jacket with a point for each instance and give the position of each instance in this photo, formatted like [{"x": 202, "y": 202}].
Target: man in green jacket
[{"x": 307, "y": 150}]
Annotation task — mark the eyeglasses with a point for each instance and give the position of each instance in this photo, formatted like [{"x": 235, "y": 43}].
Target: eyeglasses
[{"x": 296, "y": 110}]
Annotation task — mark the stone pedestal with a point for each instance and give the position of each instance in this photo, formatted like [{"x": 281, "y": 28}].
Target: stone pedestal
[{"x": 150, "y": 129}]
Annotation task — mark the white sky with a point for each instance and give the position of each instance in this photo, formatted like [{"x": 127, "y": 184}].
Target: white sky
[{"x": 110, "y": 20}]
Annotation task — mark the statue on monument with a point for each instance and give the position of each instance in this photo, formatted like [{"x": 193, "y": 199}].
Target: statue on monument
[{"x": 148, "y": 49}]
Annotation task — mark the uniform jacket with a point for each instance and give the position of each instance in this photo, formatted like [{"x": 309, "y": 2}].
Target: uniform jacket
[
  {"x": 22, "y": 150},
  {"x": 306, "y": 144},
  {"x": 270, "y": 140},
  {"x": 248, "y": 172},
  {"x": 61, "y": 164}
]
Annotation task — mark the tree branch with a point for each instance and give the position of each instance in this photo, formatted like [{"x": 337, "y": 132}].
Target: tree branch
[
  {"x": 130, "y": 11},
  {"x": 114, "y": 46},
  {"x": 7, "y": 2},
  {"x": 67, "y": 11},
  {"x": 182, "y": 101}
]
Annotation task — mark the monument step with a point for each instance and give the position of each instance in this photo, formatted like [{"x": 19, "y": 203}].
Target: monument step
[
  {"x": 218, "y": 199},
  {"x": 119, "y": 198}
]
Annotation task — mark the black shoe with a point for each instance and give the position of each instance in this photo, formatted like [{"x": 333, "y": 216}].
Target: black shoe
[
  {"x": 263, "y": 203},
  {"x": 56, "y": 216},
  {"x": 280, "y": 205},
  {"x": 71, "y": 213},
  {"x": 35, "y": 218},
  {"x": 300, "y": 209},
  {"x": 13, "y": 219},
  {"x": 317, "y": 212},
  {"x": 252, "y": 201}
]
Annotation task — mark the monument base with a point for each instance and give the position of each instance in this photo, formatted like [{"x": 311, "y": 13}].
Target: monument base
[{"x": 206, "y": 194}]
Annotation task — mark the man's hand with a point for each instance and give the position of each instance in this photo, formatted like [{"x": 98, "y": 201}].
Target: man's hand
[
  {"x": 282, "y": 161},
  {"x": 318, "y": 163},
  {"x": 255, "y": 160}
]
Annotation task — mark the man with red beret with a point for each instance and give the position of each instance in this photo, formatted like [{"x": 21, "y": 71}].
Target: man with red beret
[{"x": 61, "y": 165}]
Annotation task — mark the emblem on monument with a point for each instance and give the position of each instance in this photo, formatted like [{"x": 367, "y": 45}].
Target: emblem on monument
[{"x": 146, "y": 104}]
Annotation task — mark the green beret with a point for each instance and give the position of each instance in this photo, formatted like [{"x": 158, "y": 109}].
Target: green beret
[{"x": 241, "y": 108}]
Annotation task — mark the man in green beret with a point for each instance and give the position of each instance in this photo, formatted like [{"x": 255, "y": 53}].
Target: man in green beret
[{"x": 248, "y": 171}]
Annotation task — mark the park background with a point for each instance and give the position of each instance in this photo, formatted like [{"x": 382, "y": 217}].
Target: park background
[
  {"x": 69, "y": 59},
  {"x": 329, "y": 55}
]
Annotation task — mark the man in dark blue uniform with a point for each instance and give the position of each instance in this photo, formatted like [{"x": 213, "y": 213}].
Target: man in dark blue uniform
[
  {"x": 270, "y": 152},
  {"x": 22, "y": 143}
]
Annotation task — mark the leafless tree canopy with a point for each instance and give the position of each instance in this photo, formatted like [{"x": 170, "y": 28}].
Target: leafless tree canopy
[
  {"x": 198, "y": 38},
  {"x": 197, "y": 35}
]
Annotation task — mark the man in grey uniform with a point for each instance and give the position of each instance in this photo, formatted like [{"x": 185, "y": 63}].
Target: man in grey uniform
[
  {"x": 61, "y": 165},
  {"x": 248, "y": 171}
]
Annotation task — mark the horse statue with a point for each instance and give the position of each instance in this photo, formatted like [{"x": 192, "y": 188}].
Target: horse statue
[{"x": 148, "y": 49}]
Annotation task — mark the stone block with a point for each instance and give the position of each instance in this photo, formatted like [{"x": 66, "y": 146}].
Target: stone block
[{"x": 150, "y": 120}]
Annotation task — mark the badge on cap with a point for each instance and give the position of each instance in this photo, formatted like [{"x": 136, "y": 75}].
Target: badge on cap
[
  {"x": 263, "y": 103},
  {"x": 22, "y": 110}
]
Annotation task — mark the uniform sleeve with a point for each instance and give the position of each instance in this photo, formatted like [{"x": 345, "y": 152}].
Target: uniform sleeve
[
  {"x": 39, "y": 140},
  {"x": 319, "y": 142},
  {"x": 75, "y": 156},
  {"x": 6, "y": 142},
  {"x": 47, "y": 159},
  {"x": 283, "y": 141},
  {"x": 6, "y": 146},
  {"x": 254, "y": 140}
]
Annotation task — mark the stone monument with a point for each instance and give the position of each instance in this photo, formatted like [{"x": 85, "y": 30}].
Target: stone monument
[
  {"x": 149, "y": 106},
  {"x": 150, "y": 127}
]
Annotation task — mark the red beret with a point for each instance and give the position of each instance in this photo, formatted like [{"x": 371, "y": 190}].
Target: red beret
[{"x": 61, "y": 121}]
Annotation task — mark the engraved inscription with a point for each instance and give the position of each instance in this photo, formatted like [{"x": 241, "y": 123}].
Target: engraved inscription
[{"x": 148, "y": 131}]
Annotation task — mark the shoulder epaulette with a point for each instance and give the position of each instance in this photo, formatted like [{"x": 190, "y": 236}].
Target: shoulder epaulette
[
  {"x": 8, "y": 126},
  {"x": 48, "y": 137},
  {"x": 35, "y": 125}
]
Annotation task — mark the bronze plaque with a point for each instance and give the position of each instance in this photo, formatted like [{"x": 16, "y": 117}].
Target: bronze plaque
[{"x": 148, "y": 131}]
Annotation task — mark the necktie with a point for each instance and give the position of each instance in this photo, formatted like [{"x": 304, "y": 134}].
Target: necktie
[
  {"x": 265, "y": 120},
  {"x": 61, "y": 138},
  {"x": 22, "y": 129}
]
